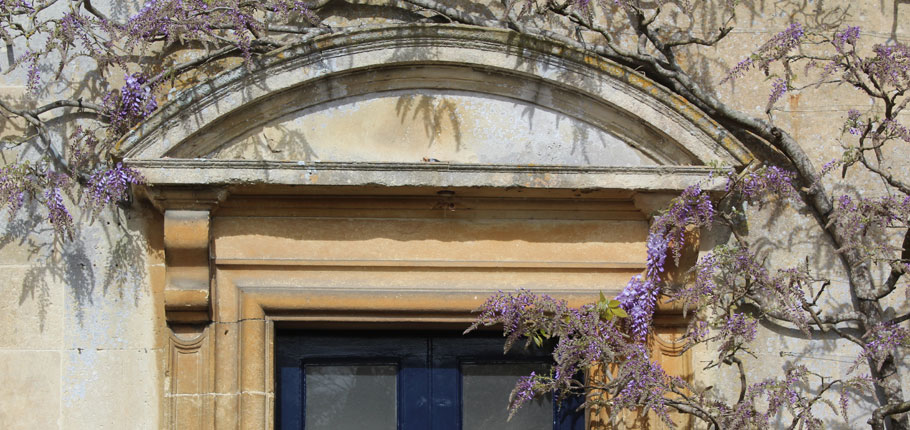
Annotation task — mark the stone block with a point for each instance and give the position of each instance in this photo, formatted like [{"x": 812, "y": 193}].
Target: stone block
[
  {"x": 31, "y": 305},
  {"x": 111, "y": 389},
  {"x": 116, "y": 316},
  {"x": 30, "y": 391}
]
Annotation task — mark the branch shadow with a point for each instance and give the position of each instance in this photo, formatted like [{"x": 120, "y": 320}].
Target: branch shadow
[{"x": 434, "y": 110}]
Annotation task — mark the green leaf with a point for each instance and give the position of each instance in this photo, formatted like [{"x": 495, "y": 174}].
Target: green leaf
[
  {"x": 620, "y": 312},
  {"x": 614, "y": 304}
]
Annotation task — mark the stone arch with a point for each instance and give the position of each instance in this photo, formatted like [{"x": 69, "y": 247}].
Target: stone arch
[{"x": 639, "y": 116}]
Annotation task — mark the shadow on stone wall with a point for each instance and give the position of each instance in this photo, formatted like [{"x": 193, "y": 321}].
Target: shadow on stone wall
[
  {"x": 434, "y": 111},
  {"x": 74, "y": 264},
  {"x": 709, "y": 70},
  {"x": 895, "y": 13}
]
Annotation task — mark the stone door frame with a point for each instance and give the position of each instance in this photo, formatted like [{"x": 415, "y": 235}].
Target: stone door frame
[{"x": 221, "y": 319}]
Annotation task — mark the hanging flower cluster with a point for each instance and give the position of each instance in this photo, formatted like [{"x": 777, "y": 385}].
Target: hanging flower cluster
[
  {"x": 761, "y": 184},
  {"x": 583, "y": 337},
  {"x": 865, "y": 220},
  {"x": 692, "y": 209},
  {"x": 733, "y": 272},
  {"x": 133, "y": 103},
  {"x": 14, "y": 181},
  {"x": 882, "y": 341},
  {"x": 57, "y": 213},
  {"x": 847, "y": 36},
  {"x": 890, "y": 65},
  {"x": 772, "y": 50},
  {"x": 778, "y": 89},
  {"x": 107, "y": 186}
]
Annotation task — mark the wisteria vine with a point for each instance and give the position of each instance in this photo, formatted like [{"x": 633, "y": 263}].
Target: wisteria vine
[{"x": 729, "y": 293}]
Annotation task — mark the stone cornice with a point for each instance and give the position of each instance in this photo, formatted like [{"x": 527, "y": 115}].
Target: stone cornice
[{"x": 175, "y": 172}]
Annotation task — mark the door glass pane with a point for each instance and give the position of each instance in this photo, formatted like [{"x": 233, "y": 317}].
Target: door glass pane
[
  {"x": 346, "y": 397},
  {"x": 485, "y": 392}
]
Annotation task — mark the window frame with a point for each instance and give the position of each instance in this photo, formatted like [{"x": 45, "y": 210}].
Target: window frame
[{"x": 439, "y": 365}]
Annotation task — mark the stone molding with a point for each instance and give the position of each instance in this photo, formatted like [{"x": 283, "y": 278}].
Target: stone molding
[
  {"x": 191, "y": 376},
  {"x": 246, "y": 314},
  {"x": 193, "y": 123},
  {"x": 183, "y": 197},
  {"x": 180, "y": 172}
]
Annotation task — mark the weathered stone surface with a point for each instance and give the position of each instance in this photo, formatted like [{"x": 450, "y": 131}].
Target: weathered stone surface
[
  {"x": 33, "y": 304},
  {"x": 83, "y": 335},
  {"x": 111, "y": 388},
  {"x": 635, "y": 105},
  {"x": 30, "y": 389}
]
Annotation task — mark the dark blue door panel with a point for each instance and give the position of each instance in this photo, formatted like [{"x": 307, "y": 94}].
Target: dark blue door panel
[{"x": 429, "y": 372}]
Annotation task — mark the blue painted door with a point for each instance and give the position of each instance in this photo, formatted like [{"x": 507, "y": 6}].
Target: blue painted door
[{"x": 406, "y": 381}]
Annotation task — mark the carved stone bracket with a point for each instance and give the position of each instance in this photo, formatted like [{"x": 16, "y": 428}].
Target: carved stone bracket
[
  {"x": 185, "y": 198},
  {"x": 186, "y": 246},
  {"x": 652, "y": 203}
]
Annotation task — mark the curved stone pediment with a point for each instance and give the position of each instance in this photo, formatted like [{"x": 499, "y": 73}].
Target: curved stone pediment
[
  {"x": 449, "y": 105},
  {"x": 450, "y": 126}
]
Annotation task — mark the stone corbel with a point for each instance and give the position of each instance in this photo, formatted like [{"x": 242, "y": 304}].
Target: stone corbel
[
  {"x": 651, "y": 203},
  {"x": 185, "y": 198},
  {"x": 186, "y": 247}
]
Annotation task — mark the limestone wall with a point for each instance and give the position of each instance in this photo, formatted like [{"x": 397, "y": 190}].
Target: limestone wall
[{"x": 83, "y": 337}]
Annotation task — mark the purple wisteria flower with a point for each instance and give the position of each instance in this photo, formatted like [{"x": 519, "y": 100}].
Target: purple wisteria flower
[
  {"x": 865, "y": 219},
  {"x": 896, "y": 130},
  {"x": 691, "y": 210},
  {"x": 695, "y": 294},
  {"x": 853, "y": 124},
  {"x": 882, "y": 341},
  {"x": 205, "y": 20},
  {"x": 772, "y": 50},
  {"x": 33, "y": 75},
  {"x": 107, "y": 186},
  {"x": 134, "y": 103},
  {"x": 14, "y": 182},
  {"x": 778, "y": 88},
  {"x": 698, "y": 330},
  {"x": 890, "y": 64},
  {"x": 523, "y": 392},
  {"x": 57, "y": 213},
  {"x": 847, "y": 36},
  {"x": 829, "y": 166},
  {"x": 775, "y": 395},
  {"x": 83, "y": 147},
  {"x": 583, "y": 338},
  {"x": 767, "y": 181},
  {"x": 639, "y": 299},
  {"x": 736, "y": 330},
  {"x": 646, "y": 384}
]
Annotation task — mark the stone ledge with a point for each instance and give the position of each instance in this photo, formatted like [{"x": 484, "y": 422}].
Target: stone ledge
[{"x": 195, "y": 172}]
